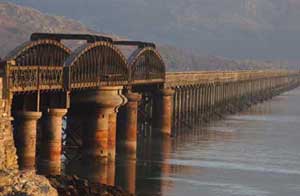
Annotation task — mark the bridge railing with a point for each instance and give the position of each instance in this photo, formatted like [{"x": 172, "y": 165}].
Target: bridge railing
[
  {"x": 189, "y": 78},
  {"x": 32, "y": 78},
  {"x": 77, "y": 78}
]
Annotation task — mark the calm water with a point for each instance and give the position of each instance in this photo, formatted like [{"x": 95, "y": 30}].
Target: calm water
[{"x": 255, "y": 153}]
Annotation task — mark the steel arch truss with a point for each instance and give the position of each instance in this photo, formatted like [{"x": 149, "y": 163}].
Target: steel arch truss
[
  {"x": 36, "y": 65},
  {"x": 146, "y": 66},
  {"x": 96, "y": 64}
]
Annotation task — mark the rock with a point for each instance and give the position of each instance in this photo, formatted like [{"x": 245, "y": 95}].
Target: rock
[
  {"x": 27, "y": 183},
  {"x": 75, "y": 186},
  {"x": 8, "y": 157},
  {"x": 13, "y": 182}
]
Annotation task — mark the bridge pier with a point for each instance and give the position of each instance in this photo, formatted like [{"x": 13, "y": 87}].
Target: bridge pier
[
  {"x": 95, "y": 142},
  {"x": 127, "y": 126},
  {"x": 203, "y": 102},
  {"x": 126, "y": 175},
  {"x": 163, "y": 113},
  {"x": 207, "y": 103},
  {"x": 100, "y": 107},
  {"x": 112, "y": 133},
  {"x": 25, "y": 137},
  {"x": 50, "y": 161}
]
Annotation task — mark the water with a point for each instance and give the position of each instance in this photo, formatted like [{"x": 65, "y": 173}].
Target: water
[{"x": 255, "y": 153}]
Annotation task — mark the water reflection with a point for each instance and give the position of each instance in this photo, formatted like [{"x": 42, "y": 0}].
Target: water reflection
[
  {"x": 94, "y": 170},
  {"x": 152, "y": 166},
  {"x": 253, "y": 153},
  {"x": 126, "y": 175},
  {"x": 149, "y": 173}
]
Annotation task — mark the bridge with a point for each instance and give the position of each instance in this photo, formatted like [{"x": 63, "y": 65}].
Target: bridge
[{"x": 98, "y": 100}]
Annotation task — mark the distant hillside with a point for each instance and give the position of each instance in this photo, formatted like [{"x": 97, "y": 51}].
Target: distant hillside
[
  {"x": 18, "y": 22},
  {"x": 188, "y": 60},
  {"x": 238, "y": 29}
]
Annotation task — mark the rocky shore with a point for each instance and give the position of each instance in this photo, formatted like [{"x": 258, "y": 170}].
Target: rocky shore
[
  {"x": 24, "y": 183},
  {"x": 75, "y": 186}
]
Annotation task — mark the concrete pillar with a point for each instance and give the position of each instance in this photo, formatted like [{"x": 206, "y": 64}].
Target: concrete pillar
[
  {"x": 203, "y": 91},
  {"x": 111, "y": 173},
  {"x": 190, "y": 120},
  {"x": 198, "y": 98},
  {"x": 205, "y": 102},
  {"x": 99, "y": 107},
  {"x": 95, "y": 143},
  {"x": 185, "y": 104},
  {"x": 192, "y": 104},
  {"x": 163, "y": 115},
  {"x": 97, "y": 171},
  {"x": 211, "y": 100},
  {"x": 180, "y": 103},
  {"x": 176, "y": 107},
  {"x": 127, "y": 140},
  {"x": 50, "y": 161},
  {"x": 25, "y": 137},
  {"x": 112, "y": 133},
  {"x": 187, "y": 112},
  {"x": 126, "y": 175}
]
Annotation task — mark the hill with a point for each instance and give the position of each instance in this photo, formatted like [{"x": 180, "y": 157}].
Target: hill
[
  {"x": 238, "y": 29},
  {"x": 18, "y": 22}
]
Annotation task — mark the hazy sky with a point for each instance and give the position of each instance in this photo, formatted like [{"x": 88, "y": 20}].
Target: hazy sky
[{"x": 263, "y": 29}]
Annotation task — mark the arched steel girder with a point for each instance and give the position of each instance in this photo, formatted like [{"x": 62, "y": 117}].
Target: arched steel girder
[
  {"x": 96, "y": 64},
  {"x": 43, "y": 52},
  {"x": 146, "y": 66},
  {"x": 36, "y": 65}
]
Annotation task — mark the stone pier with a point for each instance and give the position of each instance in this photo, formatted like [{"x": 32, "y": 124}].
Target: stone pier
[
  {"x": 112, "y": 135},
  {"x": 50, "y": 157},
  {"x": 99, "y": 107},
  {"x": 127, "y": 126},
  {"x": 25, "y": 137},
  {"x": 163, "y": 113}
]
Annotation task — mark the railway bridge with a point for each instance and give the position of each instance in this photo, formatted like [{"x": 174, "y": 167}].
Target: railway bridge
[{"x": 99, "y": 100}]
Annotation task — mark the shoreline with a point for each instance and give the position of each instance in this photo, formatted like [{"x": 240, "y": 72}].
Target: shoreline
[{"x": 73, "y": 185}]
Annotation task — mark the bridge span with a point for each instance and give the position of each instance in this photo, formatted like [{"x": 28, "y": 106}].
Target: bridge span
[{"x": 98, "y": 100}]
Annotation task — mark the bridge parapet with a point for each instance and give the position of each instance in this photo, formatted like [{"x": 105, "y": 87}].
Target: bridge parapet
[{"x": 174, "y": 79}]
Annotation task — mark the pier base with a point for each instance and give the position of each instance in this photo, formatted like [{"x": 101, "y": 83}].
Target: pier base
[
  {"x": 100, "y": 107},
  {"x": 50, "y": 161},
  {"x": 25, "y": 137},
  {"x": 127, "y": 126},
  {"x": 163, "y": 113}
]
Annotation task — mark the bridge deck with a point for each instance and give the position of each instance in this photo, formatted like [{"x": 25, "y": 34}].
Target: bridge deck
[
  {"x": 45, "y": 64},
  {"x": 175, "y": 79}
]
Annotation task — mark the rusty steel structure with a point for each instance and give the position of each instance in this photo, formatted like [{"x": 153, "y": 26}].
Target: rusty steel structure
[
  {"x": 99, "y": 101},
  {"x": 44, "y": 63}
]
